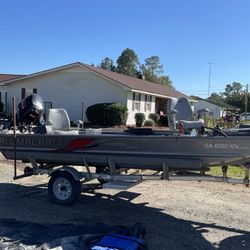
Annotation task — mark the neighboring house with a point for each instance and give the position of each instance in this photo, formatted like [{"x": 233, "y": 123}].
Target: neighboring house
[
  {"x": 216, "y": 109},
  {"x": 77, "y": 86},
  {"x": 3, "y": 89}
]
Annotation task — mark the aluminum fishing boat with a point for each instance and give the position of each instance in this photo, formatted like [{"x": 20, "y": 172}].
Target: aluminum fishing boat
[
  {"x": 47, "y": 146},
  {"x": 55, "y": 144},
  {"x": 128, "y": 149}
]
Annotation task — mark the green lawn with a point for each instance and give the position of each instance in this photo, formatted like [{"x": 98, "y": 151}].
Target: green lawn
[
  {"x": 233, "y": 172},
  {"x": 247, "y": 122}
]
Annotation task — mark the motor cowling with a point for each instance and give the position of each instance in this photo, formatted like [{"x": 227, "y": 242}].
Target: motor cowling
[{"x": 30, "y": 109}]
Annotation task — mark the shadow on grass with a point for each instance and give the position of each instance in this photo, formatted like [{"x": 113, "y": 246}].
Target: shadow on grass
[{"x": 27, "y": 217}]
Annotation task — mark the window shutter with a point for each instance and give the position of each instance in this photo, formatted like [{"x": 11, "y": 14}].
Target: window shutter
[
  {"x": 139, "y": 103},
  {"x": 23, "y": 92},
  {"x": 133, "y": 102},
  {"x": 6, "y": 99}
]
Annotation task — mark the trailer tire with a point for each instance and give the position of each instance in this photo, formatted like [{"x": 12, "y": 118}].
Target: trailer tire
[{"x": 63, "y": 188}]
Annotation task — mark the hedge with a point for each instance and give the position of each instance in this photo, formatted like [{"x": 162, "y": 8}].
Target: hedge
[
  {"x": 149, "y": 123},
  {"x": 107, "y": 114},
  {"x": 139, "y": 119},
  {"x": 154, "y": 116}
]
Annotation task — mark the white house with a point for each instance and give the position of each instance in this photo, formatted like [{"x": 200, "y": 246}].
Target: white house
[
  {"x": 217, "y": 110},
  {"x": 76, "y": 86}
]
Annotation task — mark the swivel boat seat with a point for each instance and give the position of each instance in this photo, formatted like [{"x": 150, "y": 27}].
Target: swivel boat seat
[{"x": 58, "y": 122}]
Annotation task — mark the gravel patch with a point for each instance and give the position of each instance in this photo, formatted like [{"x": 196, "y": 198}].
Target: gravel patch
[{"x": 177, "y": 214}]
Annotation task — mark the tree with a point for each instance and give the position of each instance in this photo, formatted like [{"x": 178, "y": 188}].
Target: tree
[
  {"x": 216, "y": 98},
  {"x": 165, "y": 80},
  {"x": 147, "y": 73},
  {"x": 127, "y": 63},
  {"x": 107, "y": 64},
  {"x": 233, "y": 91},
  {"x": 153, "y": 65},
  {"x": 152, "y": 70},
  {"x": 195, "y": 97},
  {"x": 235, "y": 95}
]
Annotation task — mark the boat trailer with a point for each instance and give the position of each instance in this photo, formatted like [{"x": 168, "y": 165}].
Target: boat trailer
[{"x": 65, "y": 184}]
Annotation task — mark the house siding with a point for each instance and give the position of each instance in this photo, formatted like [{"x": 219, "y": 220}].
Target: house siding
[
  {"x": 68, "y": 89},
  {"x": 73, "y": 85},
  {"x": 216, "y": 111},
  {"x": 132, "y": 112}
]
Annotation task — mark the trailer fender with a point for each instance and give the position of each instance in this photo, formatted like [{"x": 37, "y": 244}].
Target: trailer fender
[{"x": 75, "y": 173}]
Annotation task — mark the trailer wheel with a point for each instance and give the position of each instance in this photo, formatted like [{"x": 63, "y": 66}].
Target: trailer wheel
[{"x": 63, "y": 188}]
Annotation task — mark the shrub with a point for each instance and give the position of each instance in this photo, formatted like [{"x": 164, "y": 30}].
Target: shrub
[
  {"x": 149, "y": 123},
  {"x": 107, "y": 114},
  {"x": 154, "y": 116},
  {"x": 163, "y": 120},
  {"x": 139, "y": 119},
  {"x": 116, "y": 114}
]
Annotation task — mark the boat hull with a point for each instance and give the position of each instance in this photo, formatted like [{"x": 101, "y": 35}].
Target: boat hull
[{"x": 128, "y": 151}]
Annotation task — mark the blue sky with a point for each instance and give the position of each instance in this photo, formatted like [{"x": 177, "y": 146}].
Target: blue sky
[{"x": 186, "y": 34}]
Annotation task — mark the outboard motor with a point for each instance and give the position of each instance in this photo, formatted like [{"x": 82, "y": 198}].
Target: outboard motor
[
  {"x": 184, "y": 109},
  {"x": 179, "y": 110},
  {"x": 30, "y": 110}
]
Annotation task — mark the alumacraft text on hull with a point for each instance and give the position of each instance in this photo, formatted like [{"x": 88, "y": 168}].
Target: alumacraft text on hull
[
  {"x": 128, "y": 150},
  {"x": 50, "y": 149}
]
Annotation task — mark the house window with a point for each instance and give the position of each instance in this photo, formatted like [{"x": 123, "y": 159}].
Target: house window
[
  {"x": 136, "y": 102},
  {"x": 148, "y": 101}
]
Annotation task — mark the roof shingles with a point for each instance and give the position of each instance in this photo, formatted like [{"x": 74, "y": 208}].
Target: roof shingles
[
  {"x": 138, "y": 84},
  {"x": 6, "y": 77},
  {"x": 127, "y": 81}
]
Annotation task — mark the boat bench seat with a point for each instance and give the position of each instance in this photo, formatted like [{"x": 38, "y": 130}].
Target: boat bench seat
[
  {"x": 192, "y": 124},
  {"x": 51, "y": 131}
]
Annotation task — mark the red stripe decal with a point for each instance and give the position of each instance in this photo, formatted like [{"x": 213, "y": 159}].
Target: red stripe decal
[{"x": 77, "y": 144}]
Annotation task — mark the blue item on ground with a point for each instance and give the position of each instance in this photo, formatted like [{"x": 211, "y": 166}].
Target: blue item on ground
[{"x": 121, "y": 242}]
